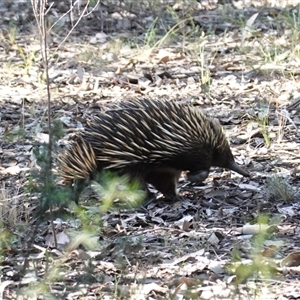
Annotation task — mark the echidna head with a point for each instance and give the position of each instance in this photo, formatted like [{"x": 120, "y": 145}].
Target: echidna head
[{"x": 222, "y": 157}]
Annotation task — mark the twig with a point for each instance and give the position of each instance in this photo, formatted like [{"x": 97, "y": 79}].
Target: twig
[{"x": 39, "y": 8}]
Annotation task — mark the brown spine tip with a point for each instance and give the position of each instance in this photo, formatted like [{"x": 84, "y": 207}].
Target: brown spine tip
[{"x": 235, "y": 167}]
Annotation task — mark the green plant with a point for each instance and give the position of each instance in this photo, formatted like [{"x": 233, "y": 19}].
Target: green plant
[
  {"x": 13, "y": 32},
  {"x": 28, "y": 58},
  {"x": 13, "y": 134},
  {"x": 117, "y": 191},
  {"x": 150, "y": 35},
  {"x": 7, "y": 239},
  {"x": 257, "y": 266}
]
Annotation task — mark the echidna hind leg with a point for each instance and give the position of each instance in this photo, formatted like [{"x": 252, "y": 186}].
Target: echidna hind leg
[
  {"x": 79, "y": 185},
  {"x": 165, "y": 181}
]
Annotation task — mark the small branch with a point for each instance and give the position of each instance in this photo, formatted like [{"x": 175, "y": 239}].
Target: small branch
[{"x": 39, "y": 9}]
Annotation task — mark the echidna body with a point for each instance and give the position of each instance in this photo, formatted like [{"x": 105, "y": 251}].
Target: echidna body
[{"x": 153, "y": 142}]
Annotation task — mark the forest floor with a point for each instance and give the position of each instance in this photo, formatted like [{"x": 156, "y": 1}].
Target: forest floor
[{"x": 234, "y": 237}]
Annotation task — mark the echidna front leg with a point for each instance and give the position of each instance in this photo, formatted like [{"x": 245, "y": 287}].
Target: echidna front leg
[
  {"x": 165, "y": 181},
  {"x": 197, "y": 177}
]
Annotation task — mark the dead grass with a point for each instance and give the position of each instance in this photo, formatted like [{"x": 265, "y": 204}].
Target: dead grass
[
  {"x": 12, "y": 210},
  {"x": 279, "y": 189}
]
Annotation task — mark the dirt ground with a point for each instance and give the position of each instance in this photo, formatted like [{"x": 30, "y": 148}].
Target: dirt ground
[{"x": 234, "y": 237}]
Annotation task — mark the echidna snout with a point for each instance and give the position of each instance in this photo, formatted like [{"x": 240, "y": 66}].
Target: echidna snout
[
  {"x": 201, "y": 175},
  {"x": 223, "y": 158},
  {"x": 235, "y": 167}
]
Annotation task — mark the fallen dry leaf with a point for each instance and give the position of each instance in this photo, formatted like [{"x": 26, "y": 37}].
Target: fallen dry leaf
[{"x": 292, "y": 260}]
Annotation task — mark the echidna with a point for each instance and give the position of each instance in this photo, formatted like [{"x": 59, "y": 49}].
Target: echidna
[{"x": 153, "y": 142}]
